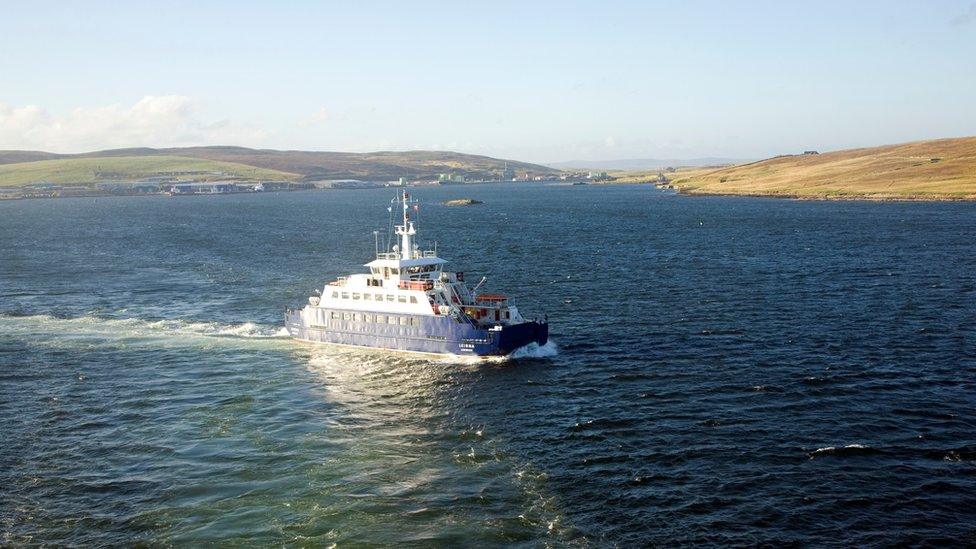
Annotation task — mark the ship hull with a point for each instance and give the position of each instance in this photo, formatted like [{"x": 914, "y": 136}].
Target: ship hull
[{"x": 428, "y": 334}]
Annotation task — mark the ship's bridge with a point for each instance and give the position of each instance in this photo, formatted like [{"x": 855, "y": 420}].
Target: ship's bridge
[{"x": 391, "y": 265}]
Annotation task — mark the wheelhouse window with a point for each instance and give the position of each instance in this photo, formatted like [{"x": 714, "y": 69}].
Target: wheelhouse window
[{"x": 420, "y": 269}]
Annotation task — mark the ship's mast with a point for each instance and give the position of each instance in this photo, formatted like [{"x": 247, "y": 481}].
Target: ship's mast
[{"x": 406, "y": 231}]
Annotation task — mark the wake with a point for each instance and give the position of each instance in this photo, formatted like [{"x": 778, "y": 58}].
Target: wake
[{"x": 93, "y": 329}]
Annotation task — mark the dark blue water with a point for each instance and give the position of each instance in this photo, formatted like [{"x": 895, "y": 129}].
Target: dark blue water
[{"x": 728, "y": 370}]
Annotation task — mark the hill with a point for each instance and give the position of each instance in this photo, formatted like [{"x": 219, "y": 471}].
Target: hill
[
  {"x": 638, "y": 164},
  {"x": 15, "y": 168},
  {"x": 942, "y": 169},
  {"x": 11, "y": 157},
  {"x": 128, "y": 168}
]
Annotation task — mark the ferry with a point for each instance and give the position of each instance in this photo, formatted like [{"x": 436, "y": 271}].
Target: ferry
[{"x": 409, "y": 302}]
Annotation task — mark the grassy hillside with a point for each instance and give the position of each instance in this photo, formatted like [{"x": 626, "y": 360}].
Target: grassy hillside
[
  {"x": 11, "y": 157},
  {"x": 128, "y": 168},
  {"x": 938, "y": 169},
  {"x": 376, "y": 165},
  {"x": 386, "y": 165},
  {"x": 650, "y": 176}
]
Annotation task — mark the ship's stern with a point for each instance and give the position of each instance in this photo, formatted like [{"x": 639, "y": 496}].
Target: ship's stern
[{"x": 293, "y": 323}]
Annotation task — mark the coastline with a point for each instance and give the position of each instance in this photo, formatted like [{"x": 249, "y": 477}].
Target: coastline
[
  {"x": 677, "y": 188},
  {"x": 837, "y": 197}
]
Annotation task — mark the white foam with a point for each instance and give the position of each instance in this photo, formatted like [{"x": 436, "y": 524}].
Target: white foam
[
  {"x": 91, "y": 329},
  {"x": 534, "y": 350},
  {"x": 832, "y": 450}
]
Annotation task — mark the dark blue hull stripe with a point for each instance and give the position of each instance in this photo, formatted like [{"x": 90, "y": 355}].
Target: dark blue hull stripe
[{"x": 416, "y": 333}]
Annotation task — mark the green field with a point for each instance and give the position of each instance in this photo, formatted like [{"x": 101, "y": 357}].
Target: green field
[
  {"x": 86, "y": 171},
  {"x": 23, "y": 167}
]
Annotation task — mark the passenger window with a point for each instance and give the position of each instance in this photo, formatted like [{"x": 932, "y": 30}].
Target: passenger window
[
  {"x": 335, "y": 295},
  {"x": 367, "y": 297},
  {"x": 402, "y": 299},
  {"x": 355, "y": 296},
  {"x": 345, "y": 295},
  {"x": 394, "y": 270},
  {"x": 389, "y": 297},
  {"x": 413, "y": 299}
]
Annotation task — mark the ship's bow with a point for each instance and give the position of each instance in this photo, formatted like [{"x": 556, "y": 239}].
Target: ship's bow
[{"x": 517, "y": 336}]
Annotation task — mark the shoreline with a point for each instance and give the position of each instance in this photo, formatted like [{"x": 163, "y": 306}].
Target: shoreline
[
  {"x": 829, "y": 198},
  {"x": 689, "y": 192}
]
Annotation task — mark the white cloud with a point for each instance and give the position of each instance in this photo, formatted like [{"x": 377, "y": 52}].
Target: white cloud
[
  {"x": 317, "y": 117},
  {"x": 153, "y": 121}
]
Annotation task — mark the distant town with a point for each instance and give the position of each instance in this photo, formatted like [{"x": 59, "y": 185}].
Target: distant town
[{"x": 211, "y": 183}]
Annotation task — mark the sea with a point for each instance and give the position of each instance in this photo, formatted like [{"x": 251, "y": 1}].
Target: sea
[{"x": 721, "y": 371}]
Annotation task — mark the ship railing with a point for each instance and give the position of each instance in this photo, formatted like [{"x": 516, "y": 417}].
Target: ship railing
[
  {"x": 491, "y": 298},
  {"x": 341, "y": 281},
  {"x": 422, "y": 285},
  {"x": 465, "y": 318},
  {"x": 388, "y": 255}
]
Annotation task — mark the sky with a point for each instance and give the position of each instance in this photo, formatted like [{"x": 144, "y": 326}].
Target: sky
[{"x": 534, "y": 81}]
